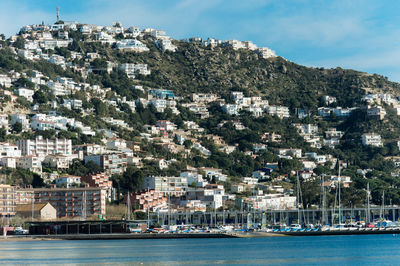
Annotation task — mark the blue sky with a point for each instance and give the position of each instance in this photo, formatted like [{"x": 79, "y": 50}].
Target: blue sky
[{"x": 363, "y": 35}]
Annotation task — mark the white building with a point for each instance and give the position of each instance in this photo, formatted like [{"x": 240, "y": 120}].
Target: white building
[
  {"x": 10, "y": 162},
  {"x": 306, "y": 129},
  {"x": 42, "y": 147},
  {"x": 166, "y": 184},
  {"x": 68, "y": 181},
  {"x": 193, "y": 177},
  {"x": 131, "y": 45},
  {"x": 58, "y": 88},
  {"x": 4, "y": 121},
  {"x": 320, "y": 159},
  {"x": 162, "y": 104},
  {"x": 60, "y": 161},
  {"x": 165, "y": 125},
  {"x": 333, "y": 133},
  {"x": 273, "y": 202},
  {"x": 131, "y": 69},
  {"x": 26, "y": 93},
  {"x": 166, "y": 45},
  {"x": 371, "y": 139},
  {"x": 327, "y": 100},
  {"x": 116, "y": 143},
  {"x": 73, "y": 104},
  {"x": 204, "y": 97},
  {"x": 9, "y": 150},
  {"x": 212, "y": 42},
  {"x": 214, "y": 173},
  {"x": 265, "y": 52},
  {"x": 231, "y": 109},
  {"x": 5, "y": 81},
  {"x": 290, "y": 152},
  {"x": 279, "y": 111}
]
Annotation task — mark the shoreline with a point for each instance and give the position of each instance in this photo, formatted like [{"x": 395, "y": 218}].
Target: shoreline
[
  {"x": 114, "y": 236},
  {"x": 127, "y": 236}
]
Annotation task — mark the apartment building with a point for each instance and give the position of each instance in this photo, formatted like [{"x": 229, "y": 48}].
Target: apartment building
[
  {"x": 73, "y": 202},
  {"x": 167, "y": 184},
  {"x": 114, "y": 163},
  {"x": 132, "y": 69},
  {"x": 7, "y": 200},
  {"x": 24, "y": 195},
  {"x": 42, "y": 147},
  {"x": 148, "y": 200},
  {"x": 100, "y": 180},
  {"x": 279, "y": 111}
]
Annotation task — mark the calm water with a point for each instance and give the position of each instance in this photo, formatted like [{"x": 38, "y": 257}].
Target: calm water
[{"x": 319, "y": 250}]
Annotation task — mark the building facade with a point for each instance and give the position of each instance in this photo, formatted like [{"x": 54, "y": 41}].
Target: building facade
[
  {"x": 43, "y": 147},
  {"x": 167, "y": 184},
  {"x": 115, "y": 163},
  {"x": 7, "y": 200},
  {"x": 73, "y": 202}
]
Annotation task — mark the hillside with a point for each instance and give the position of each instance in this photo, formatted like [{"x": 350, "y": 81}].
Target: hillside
[
  {"x": 90, "y": 71},
  {"x": 196, "y": 68}
]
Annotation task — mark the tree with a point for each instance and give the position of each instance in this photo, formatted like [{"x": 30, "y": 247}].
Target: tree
[
  {"x": 187, "y": 143},
  {"x": 40, "y": 97},
  {"x": 43, "y": 95},
  {"x": 92, "y": 167},
  {"x": 100, "y": 107},
  {"x": 46, "y": 134},
  {"x": 131, "y": 179},
  {"x": 3, "y": 134},
  {"x": 37, "y": 181},
  {"x": 24, "y": 82},
  {"x": 17, "y": 128},
  {"x": 19, "y": 43}
]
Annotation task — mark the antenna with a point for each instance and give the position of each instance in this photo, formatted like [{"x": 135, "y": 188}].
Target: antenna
[{"x": 58, "y": 13}]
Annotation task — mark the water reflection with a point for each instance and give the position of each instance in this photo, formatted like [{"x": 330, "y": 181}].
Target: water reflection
[{"x": 328, "y": 250}]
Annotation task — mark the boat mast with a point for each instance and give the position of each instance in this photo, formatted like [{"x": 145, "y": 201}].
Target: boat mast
[
  {"x": 129, "y": 206},
  {"x": 339, "y": 181},
  {"x": 368, "y": 207},
  {"x": 148, "y": 210},
  {"x": 324, "y": 216},
  {"x": 298, "y": 198},
  {"x": 382, "y": 216},
  {"x": 33, "y": 207}
]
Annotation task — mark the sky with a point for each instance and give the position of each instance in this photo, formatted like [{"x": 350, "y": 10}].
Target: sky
[{"x": 358, "y": 34}]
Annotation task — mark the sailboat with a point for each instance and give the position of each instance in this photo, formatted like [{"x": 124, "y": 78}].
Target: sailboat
[
  {"x": 296, "y": 227},
  {"x": 324, "y": 215},
  {"x": 339, "y": 225},
  {"x": 368, "y": 213},
  {"x": 383, "y": 222}
]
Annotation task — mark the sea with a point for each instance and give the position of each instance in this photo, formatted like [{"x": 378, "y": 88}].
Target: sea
[{"x": 308, "y": 250}]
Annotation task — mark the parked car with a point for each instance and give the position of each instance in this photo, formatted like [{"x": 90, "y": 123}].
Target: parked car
[{"x": 21, "y": 231}]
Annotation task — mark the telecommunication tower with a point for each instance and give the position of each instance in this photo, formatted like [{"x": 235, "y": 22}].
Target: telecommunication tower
[{"x": 58, "y": 13}]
